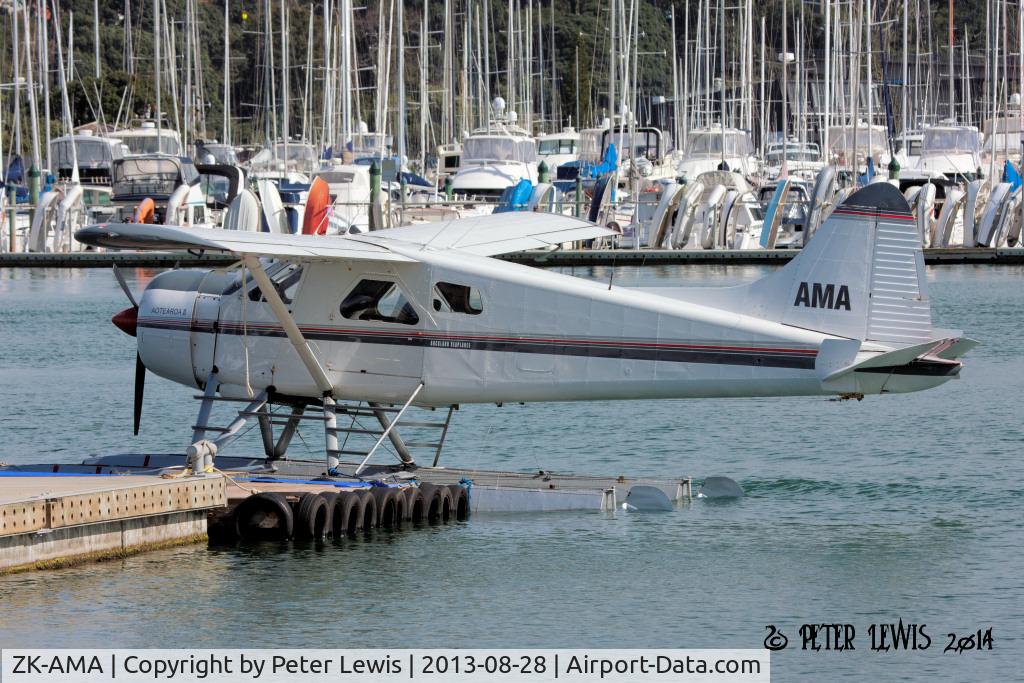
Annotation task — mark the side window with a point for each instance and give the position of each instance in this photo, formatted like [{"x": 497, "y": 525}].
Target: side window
[
  {"x": 451, "y": 298},
  {"x": 379, "y": 300}
]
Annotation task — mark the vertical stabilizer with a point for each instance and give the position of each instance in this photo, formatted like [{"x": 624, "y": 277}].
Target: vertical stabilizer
[{"x": 861, "y": 277}]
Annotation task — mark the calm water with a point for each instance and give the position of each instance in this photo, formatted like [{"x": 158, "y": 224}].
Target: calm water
[{"x": 898, "y": 506}]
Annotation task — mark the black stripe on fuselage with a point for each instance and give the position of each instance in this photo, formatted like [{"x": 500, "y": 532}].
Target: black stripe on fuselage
[
  {"x": 561, "y": 347},
  {"x": 921, "y": 368}
]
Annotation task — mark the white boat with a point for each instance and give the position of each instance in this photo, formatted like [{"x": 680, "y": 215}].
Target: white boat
[
  {"x": 728, "y": 214},
  {"x": 143, "y": 137},
  {"x": 171, "y": 183},
  {"x": 954, "y": 151},
  {"x": 448, "y": 159},
  {"x": 1002, "y": 140},
  {"x": 862, "y": 143},
  {"x": 645, "y": 149},
  {"x": 908, "y": 148},
  {"x": 349, "y": 186},
  {"x": 555, "y": 149},
  {"x": 803, "y": 159},
  {"x": 707, "y": 149},
  {"x": 495, "y": 158},
  {"x": 93, "y": 153},
  {"x": 213, "y": 152},
  {"x": 292, "y": 162}
]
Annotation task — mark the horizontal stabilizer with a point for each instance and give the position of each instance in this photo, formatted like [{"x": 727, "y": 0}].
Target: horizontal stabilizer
[
  {"x": 957, "y": 345},
  {"x": 917, "y": 359}
]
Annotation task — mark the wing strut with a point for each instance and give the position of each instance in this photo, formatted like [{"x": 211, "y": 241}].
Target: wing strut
[
  {"x": 288, "y": 323},
  {"x": 305, "y": 354}
]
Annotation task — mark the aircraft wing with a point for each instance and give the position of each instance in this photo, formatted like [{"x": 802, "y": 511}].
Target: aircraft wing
[
  {"x": 499, "y": 233},
  {"x": 164, "y": 237}
]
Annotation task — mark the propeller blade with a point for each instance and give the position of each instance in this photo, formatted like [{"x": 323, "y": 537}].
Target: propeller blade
[
  {"x": 140, "y": 388},
  {"x": 124, "y": 286}
]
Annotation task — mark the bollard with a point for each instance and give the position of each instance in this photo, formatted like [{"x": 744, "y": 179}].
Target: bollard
[
  {"x": 12, "y": 202},
  {"x": 374, "y": 181},
  {"x": 894, "y": 169},
  {"x": 33, "y": 192},
  {"x": 542, "y": 172},
  {"x": 579, "y": 197},
  {"x": 449, "y": 191},
  {"x": 403, "y": 188}
]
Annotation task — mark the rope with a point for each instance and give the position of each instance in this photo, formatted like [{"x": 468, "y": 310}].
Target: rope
[
  {"x": 245, "y": 329},
  {"x": 235, "y": 482},
  {"x": 187, "y": 470}
]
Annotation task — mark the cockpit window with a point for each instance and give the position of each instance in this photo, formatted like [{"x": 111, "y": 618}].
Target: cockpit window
[
  {"x": 379, "y": 300},
  {"x": 286, "y": 277},
  {"x": 451, "y": 298}
]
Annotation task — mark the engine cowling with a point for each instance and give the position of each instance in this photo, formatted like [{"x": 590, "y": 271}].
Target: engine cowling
[{"x": 176, "y": 324}]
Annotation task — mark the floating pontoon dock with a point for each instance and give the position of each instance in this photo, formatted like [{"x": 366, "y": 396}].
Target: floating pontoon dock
[{"x": 58, "y": 514}]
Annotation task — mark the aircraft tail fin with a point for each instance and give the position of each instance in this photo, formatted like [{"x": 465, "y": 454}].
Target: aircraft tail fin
[{"x": 862, "y": 276}]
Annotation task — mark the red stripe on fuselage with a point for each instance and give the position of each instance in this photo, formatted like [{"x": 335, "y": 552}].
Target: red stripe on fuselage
[{"x": 470, "y": 337}]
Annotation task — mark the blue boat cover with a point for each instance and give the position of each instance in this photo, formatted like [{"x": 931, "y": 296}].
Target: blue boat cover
[
  {"x": 516, "y": 197},
  {"x": 1011, "y": 175}
]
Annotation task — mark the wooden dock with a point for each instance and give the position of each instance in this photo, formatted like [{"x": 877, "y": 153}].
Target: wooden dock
[
  {"x": 52, "y": 521},
  {"x": 561, "y": 257}
]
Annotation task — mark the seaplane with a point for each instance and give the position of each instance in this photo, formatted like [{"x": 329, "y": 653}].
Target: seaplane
[{"x": 426, "y": 316}]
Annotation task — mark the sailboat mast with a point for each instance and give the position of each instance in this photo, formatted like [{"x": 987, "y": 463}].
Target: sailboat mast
[
  {"x": 675, "y": 80},
  {"x": 45, "y": 74},
  {"x": 785, "y": 79},
  {"x": 952, "y": 111},
  {"x": 226, "y": 129},
  {"x": 401, "y": 82},
  {"x": 156, "y": 65},
  {"x": 424, "y": 96},
  {"x": 827, "y": 119},
  {"x": 96, "y": 35},
  {"x": 33, "y": 112},
  {"x": 612, "y": 65}
]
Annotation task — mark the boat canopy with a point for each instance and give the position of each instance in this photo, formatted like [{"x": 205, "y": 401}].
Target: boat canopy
[
  {"x": 294, "y": 156},
  {"x": 794, "y": 151},
  {"x": 92, "y": 152},
  {"x": 591, "y": 144},
  {"x": 644, "y": 142},
  {"x": 556, "y": 145},
  {"x": 370, "y": 143},
  {"x": 951, "y": 140},
  {"x": 1002, "y": 134},
  {"x": 499, "y": 148},
  {"x": 152, "y": 176},
  {"x": 709, "y": 143},
  {"x": 873, "y": 141},
  {"x": 148, "y": 141},
  {"x": 1002, "y": 124},
  {"x": 219, "y": 153}
]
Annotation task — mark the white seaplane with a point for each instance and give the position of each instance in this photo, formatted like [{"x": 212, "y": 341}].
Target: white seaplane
[{"x": 423, "y": 316}]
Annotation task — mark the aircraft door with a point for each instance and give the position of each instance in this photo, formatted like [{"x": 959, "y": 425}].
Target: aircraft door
[{"x": 204, "y": 338}]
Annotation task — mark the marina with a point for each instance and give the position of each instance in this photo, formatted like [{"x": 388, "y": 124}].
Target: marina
[
  {"x": 744, "y": 136},
  {"x": 631, "y": 325}
]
